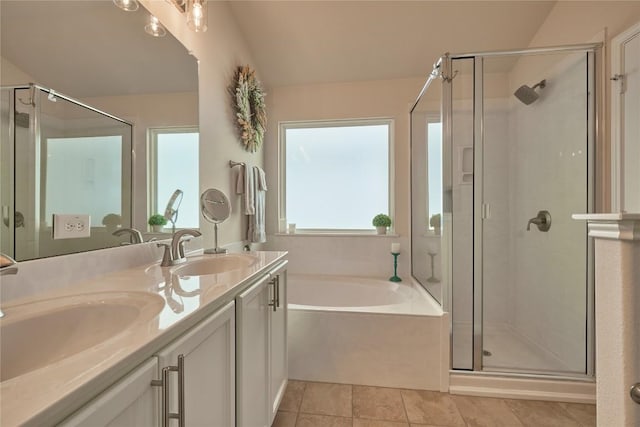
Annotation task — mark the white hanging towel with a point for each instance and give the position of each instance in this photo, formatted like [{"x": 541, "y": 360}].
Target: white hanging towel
[
  {"x": 256, "y": 232},
  {"x": 246, "y": 186}
]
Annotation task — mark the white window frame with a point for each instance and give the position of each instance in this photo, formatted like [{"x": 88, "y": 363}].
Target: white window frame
[
  {"x": 152, "y": 160},
  {"x": 282, "y": 171}
]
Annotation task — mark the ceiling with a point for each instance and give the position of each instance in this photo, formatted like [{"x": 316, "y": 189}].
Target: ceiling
[
  {"x": 92, "y": 48},
  {"x": 306, "y": 42}
]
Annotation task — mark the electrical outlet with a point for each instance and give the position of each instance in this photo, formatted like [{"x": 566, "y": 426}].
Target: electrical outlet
[{"x": 70, "y": 226}]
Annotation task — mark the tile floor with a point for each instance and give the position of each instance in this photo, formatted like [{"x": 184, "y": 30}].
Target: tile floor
[{"x": 311, "y": 404}]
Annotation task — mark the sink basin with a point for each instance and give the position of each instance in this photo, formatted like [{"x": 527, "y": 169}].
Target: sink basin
[
  {"x": 215, "y": 264},
  {"x": 40, "y": 333}
]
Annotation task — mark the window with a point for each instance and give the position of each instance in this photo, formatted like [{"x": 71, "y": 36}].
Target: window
[
  {"x": 434, "y": 169},
  {"x": 89, "y": 168},
  {"x": 174, "y": 165},
  {"x": 335, "y": 175}
]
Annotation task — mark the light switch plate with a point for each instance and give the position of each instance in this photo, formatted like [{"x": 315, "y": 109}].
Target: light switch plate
[{"x": 71, "y": 226}]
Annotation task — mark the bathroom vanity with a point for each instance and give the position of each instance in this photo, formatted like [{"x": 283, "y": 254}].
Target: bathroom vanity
[{"x": 201, "y": 343}]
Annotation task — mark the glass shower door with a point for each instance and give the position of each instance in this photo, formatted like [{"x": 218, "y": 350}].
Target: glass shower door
[{"x": 532, "y": 172}]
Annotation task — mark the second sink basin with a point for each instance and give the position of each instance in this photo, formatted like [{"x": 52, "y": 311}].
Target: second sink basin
[
  {"x": 40, "y": 333},
  {"x": 215, "y": 264}
]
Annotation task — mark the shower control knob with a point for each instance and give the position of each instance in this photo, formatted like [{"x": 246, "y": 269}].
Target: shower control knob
[{"x": 635, "y": 393}]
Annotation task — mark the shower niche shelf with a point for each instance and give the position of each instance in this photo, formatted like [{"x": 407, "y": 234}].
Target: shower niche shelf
[{"x": 465, "y": 165}]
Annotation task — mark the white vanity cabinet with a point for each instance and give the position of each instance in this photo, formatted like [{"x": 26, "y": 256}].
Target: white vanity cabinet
[
  {"x": 132, "y": 401},
  {"x": 278, "y": 355},
  {"x": 228, "y": 370},
  {"x": 204, "y": 357},
  {"x": 261, "y": 349},
  {"x": 199, "y": 383},
  {"x": 252, "y": 354}
]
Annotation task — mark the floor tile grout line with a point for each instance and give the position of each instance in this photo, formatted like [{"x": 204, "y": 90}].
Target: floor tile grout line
[
  {"x": 404, "y": 408},
  {"x": 506, "y": 402},
  {"x": 304, "y": 390},
  {"x": 562, "y": 409},
  {"x": 351, "y": 385}
]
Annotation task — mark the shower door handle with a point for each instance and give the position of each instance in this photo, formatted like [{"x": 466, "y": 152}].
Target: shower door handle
[{"x": 542, "y": 221}]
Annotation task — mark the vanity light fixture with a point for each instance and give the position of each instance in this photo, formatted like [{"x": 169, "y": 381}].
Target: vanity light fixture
[
  {"x": 197, "y": 15},
  {"x": 128, "y": 5},
  {"x": 154, "y": 27}
]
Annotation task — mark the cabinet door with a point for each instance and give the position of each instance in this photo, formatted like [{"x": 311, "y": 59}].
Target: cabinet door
[
  {"x": 132, "y": 401},
  {"x": 278, "y": 359},
  {"x": 209, "y": 371},
  {"x": 252, "y": 353}
]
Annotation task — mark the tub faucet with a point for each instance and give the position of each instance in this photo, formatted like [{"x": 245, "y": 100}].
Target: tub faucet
[
  {"x": 8, "y": 265},
  {"x": 135, "y": 235}
]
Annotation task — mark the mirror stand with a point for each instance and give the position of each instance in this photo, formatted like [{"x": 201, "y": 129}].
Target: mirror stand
[{"x": 216, "y": 249}]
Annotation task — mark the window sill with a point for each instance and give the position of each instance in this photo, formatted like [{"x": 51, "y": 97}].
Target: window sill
[{"x": 333, "y": 234}]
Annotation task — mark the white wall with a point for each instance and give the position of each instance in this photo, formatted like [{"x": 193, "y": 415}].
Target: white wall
[
  {"x": 367, "y": 256},
  {"x": 148, "y": 111}
]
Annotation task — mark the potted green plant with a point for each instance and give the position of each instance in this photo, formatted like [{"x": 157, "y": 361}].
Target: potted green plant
[
  {"x": 381, "y": 222},
  {"x": 157, "y": 222},
  {"x": 435, "y": 222}
]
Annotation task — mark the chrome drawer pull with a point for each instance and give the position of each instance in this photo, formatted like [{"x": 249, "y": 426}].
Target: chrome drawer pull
[
  {"x": 274, "y": 302},
  {"x": 164, "y": 383}
]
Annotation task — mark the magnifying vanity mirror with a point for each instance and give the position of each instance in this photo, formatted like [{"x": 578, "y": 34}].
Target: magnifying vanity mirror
[
  {"x": 215, "y": 208},
  {"x": 171, "y": 211},
  {"x": 67, "y": 142}
]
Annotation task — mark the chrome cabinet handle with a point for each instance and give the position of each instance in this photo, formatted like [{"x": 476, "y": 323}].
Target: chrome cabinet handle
[
  {"x": 277, "y": 279},
  {"x": 635, "y": 393},
  {"x": 181, "y": 390},
  {"x": 274, "y": 302},
  {"x": 164, "y": 383}
]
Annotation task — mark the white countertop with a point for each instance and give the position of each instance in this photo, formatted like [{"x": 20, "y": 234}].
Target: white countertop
[
  {"x": 613, "y": 216},
  {"x": 44, "y": 395}
]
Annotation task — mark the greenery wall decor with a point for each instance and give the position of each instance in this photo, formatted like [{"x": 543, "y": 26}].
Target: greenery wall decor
[{"x": 250, "y": 108}]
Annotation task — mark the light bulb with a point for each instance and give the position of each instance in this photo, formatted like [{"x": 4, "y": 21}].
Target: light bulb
[
  {"x": 197, "y": 15},
  {"x": 127, "y": 5},
  {"x": 155, "y": 28}
]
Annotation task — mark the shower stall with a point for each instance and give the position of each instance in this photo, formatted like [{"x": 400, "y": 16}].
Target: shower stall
[
  {"x": 503, "y": 149},
  {"x": 60, "y": 156}
]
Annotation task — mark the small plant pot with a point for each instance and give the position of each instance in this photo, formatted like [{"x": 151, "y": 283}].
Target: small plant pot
[
  {"x": 157, "y": 228},
  {"x": 381, "y": 230}
]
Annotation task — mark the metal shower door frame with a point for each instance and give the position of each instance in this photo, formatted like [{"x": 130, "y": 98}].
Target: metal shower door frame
[{"x": 594, "y": 98}]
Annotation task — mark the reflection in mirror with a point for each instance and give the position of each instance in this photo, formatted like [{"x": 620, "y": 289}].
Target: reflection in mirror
[
  {"x": 58, "y": 156},
  {"x": 69, "y": 159},
  {"x": 427, "y": 191},
  {"x": 173, "y": 207},
  {"x": 173, "y": 155}
]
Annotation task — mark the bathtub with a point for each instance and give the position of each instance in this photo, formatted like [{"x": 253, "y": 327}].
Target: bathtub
[{"x": 365, "y": 331}]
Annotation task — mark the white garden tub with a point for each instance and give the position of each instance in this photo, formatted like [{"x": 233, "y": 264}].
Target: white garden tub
[{"x": 366, "y": 331}]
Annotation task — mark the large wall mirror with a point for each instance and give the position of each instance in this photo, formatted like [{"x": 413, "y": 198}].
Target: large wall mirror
[{"x": 77, "y": 142}]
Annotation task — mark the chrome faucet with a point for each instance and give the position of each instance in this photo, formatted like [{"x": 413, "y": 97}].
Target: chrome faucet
[
  {"x": 8, "y": 265},
  {"x": 135, "y": 235},
  {"x": 174, "y": 253}
]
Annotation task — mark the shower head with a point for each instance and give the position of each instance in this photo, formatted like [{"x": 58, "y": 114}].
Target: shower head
[{"x": 528, "y": 95}]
